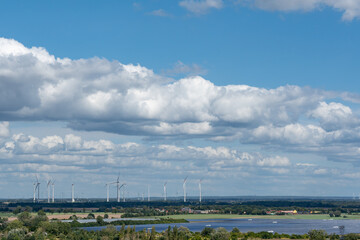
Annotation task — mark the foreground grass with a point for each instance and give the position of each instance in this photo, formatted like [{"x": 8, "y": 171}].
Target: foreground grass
[{"x": 234, "y": 216}]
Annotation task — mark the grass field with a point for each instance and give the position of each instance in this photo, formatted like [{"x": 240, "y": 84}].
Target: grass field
[
  {"x": 6, "y": 214},
  {"x": 233, "y": 216}
]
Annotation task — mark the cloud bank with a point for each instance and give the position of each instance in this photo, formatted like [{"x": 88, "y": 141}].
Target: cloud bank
[
  {"x": 55, "y": 156},
  {"x": 100, "y": 95}
]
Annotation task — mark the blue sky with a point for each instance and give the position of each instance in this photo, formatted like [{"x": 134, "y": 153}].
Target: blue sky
[{"x": 258, "y": 92}]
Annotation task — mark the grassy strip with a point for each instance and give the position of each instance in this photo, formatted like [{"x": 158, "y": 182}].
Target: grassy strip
[{"x": 126, "y": 222}]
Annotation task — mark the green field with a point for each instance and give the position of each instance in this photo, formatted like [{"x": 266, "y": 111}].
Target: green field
[
  {"x": 233, "y": 216},
  {"x": 7, "y": 214}
]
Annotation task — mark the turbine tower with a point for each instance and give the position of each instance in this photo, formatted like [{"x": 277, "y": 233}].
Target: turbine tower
[
  {"x": 107, "y": 191},
  {"x": 165, "y": 191},
  {"x": 124, "y": 200},
  {"x": 118, "y": 189},
  {"x": 148, "y": 193},
  {"x": 37, "y": 188},
  {"x": 48, "y": 190},
  {"x": 200, "y": 190},
  {"x": 184, "y": 188},
  {"x": 72, "y": 193},
  {"x": 53, "y": 191}
]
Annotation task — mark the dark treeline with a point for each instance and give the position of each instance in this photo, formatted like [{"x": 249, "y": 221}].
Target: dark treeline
[
  {"x": 174, "y": 207},
  {"x": 100, "y": 222}
]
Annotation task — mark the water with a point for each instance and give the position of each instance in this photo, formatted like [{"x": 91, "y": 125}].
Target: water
[{"x": 289, "y": 226}]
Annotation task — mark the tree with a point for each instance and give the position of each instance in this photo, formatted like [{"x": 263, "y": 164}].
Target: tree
[
  {"x": 17, "y": 234},
  {"x": 100, "y": 220},
  {"x": 14, "y": 225},
  {"x": 351, "y": 236},
  {"x": 337, "y": 213},
  {"x": 153, "y": 233},
  {"x": 317, "y": 235},
  {"x": 17, "y": 210},
  {"x": 24, "y": 217},
  {"x": 206, "y": 232},
  {"x": 184, "y": 233},
  {"x": 220, "y": 234},
  {"x": 41, "y": 213}
]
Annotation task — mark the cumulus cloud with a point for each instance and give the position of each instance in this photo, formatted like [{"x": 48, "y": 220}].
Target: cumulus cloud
[
  {"x": 96, "y": 94},
  {"x": 70, "y": 153},
  {"x": 200, "y": 6},
  {"x": 334, "y": 116},
  {"x": 350, "y": 8},
  {"x": 100, "y": 95}
]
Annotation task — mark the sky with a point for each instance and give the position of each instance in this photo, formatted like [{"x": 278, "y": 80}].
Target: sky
[{"x": 255, "y": 97}]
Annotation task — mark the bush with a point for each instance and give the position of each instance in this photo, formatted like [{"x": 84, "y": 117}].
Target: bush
[
  {"x": 16, "y": 234},
  {"x": 317, "y": 235},
  {"x": 206, "y": 232},
  {"x": 351, "y": 236},
  {"x": 220, "y": 234},
  {"x": 337, "y": 213},
  {"x": 99, "y": 219}
]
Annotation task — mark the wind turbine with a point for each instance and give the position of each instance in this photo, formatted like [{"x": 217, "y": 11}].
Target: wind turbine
[
  {"x": 48, "y": 189},
  {"x": 123, "y": 185},
  {"x": 72, "y": 193},
  {"x": 200, "y": 189},
  {"x": 184, "y": 188},
  {"x": 117, "y": 182},
  {"x": 165, "y": 191},
  {"x": 107, "y": 191},
  {"x": 37, "y": 187},
  {"x": 53, "y": 191},
  {"x": 118, "y": 189},
  {"x": 148, "y": 193}
]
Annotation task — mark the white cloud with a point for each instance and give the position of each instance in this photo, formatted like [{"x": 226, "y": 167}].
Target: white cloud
[
  {"x": 350, "y": 8},
  {"x": 100, "y": 95},
  {"x": 95, "y": 94},
  {"x": 201, "y": 6},
  {"x": 72, "y": 153},
  {"x": 4, "y": 129},
  {"x": 334, "y": 116},
  {"x": 277, "y": 161}
]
